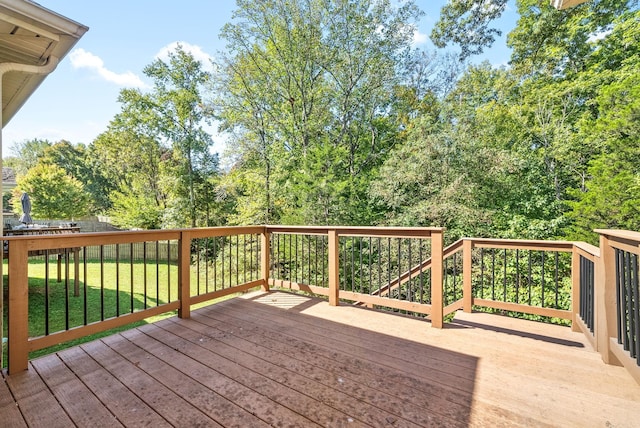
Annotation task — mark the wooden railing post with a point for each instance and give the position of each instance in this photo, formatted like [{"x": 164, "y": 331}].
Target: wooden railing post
[
  {"x": 265, "y": 259},
  {"x": 605, "y": 301},
  {"x": 467, "y": 290},
  {"x": 184, "y": 274},
  {"x": 437, "y": 302},
  {"x": 334, "y": 275},
  {"x": 575, "y": 289},
  {"x": 18, "y": 307}
]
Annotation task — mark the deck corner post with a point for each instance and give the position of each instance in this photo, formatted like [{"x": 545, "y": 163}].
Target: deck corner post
[
  {"x": 184, "y": 274},
  {"x": 467, "y": 265},
  {"x": 334, "y": 275},
  {"x": 265, "y": 259},
  {"x": 605, "y": 301},
  {"x": 575, "y": 289},
  {"x": 437, "y": 301},
  {"x": 19, "y": 307}
]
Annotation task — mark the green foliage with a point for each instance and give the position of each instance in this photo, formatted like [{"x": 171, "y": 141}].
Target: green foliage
[
  {"x": 178, "y": 115},
  {"x": 54, "y": 194},
  {"x": 78, "y": 162},
  {"x": 156, "y": 154},
  {"x": 557, "y": 43},
  {"x": 305, "y": 89},
  {"x": 27, "y": 155}
]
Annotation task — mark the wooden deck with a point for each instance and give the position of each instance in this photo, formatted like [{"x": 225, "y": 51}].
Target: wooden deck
[{"x": 285, "y": 360}]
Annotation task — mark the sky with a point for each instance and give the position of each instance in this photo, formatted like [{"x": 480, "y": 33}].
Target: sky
[{"x": 77, "y": 101}]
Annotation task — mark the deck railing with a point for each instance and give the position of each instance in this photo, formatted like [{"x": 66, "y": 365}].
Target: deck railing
[
  {"x": 617, "y": 299},
  {"x": 123, "y": 277},
  {"x": 372, "y": 266}
]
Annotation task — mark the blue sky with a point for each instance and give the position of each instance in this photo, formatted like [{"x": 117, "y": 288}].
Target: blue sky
[{"x": 79, "y": 99}]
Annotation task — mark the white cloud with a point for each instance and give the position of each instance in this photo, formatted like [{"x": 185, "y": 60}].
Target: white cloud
[
  {"x": 596, "y": 37},
  {"x": 196, "y": 51},
  {"x": 83, "y": 59},
  {"x": 419, "y": 38}
]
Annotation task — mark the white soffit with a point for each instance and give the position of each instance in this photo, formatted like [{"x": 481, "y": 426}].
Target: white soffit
[{"x": 30, "y": 34}]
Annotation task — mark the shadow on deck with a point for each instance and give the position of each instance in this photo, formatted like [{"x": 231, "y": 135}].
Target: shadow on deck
[{"x": 286, "y": 360}]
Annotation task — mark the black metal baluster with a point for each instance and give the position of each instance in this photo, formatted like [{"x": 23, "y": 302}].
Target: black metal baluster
[
  {"x": 517, "y": 276},
  {"x": 251, "y": 268},
  {"x": 493, "y": 274},
  {"x": 169, "y": 270},
  {"x": 504, "y": 276},
  {"x": 197, "y": 245},
  {"x": 302, "y": 261},
  {"x": 445, "y": 281},
  {"x": 379, "y": 261},
  {"x": 131, "y": 276},
  {"x": 635, "y": 286},
  {"x": 237, "y": 259},
  {"x": 629, "y": 299},
  {"x": 207, "y": 261},
  {"x": 316, "y": 257},
  {"x": 222, "y": 258},
  {"x": 244, "y": 258},
  {"x": 370, "y": 269},
  {"x": 360, "y": 267},
  {"x": 530, "y": 267},
  {"x": 482, "y": 273},
  {"x": 399, "y": 264},
  {"x": 389, "y": 268},
  {"x": 157, "y": 273},
  {"x": 409, "y": 295},
  {"x": 144, "y": 262},
  {"x": 101, "y": 282},
  {"x": 230, "y": 261},
  {"x": 353, "y": 263},
  {"x": 84, "y": 284},
  {"x": 455, "y": 276},
  {"x": 542, "y": 278},
  {"x": 66, "y": 288},
  {"x": 557, "y": 289},
  {"x": 215, "y": 263},
  {"x": 46, "y": 293},
  {"x": 308, "y": 262},
  {"x": 421, "y": 273},
  {"x": 591, "y": 294},
  {"x": 324, "y": 259},
  {"x": 257, "y": 252},
  {"x": 117, "y": 280},
  {"x": 290, "y": 259}
]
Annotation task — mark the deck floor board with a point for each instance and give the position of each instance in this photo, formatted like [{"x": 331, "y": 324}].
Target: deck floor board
[{"x": 277, "y": 359}]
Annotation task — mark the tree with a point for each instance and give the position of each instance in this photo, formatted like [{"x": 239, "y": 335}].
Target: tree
[
  {"x": 129, "y": 155},
  {"x": 27, "y": 155},
  {"x": 156, "y": 151},
  {"x": 610, "y": 196},
  {"x": 79, "y": 163},
  {"x": 306, "y": 93},
  {"x": 179, "y": 114},
  {"x": 54, "y": 194}
]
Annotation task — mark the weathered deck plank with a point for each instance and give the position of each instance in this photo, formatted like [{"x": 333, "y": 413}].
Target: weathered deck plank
[{"x": 283, "y": 360}]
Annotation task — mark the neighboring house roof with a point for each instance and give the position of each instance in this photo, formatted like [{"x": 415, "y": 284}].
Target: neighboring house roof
[
  {"x": 30, "y": 35},
  {"x": 8, "y": 175}
]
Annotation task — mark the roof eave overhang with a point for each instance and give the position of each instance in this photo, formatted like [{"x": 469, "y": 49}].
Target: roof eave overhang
[{"x": 38, "y": 37}]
